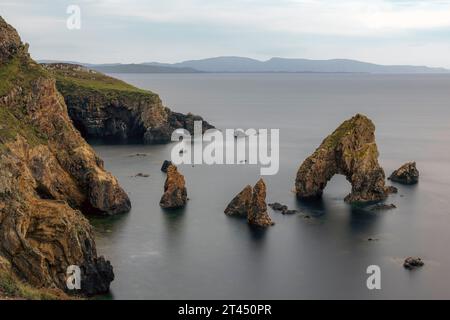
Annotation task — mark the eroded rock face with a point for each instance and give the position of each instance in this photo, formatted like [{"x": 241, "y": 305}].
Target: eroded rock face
[
  {"x": 165, "y": 165},
  {"x": 350, "y": 150},
  {"x": 241, "y": 203},
  {"x": 10, "y": 42},
  {"x": 175, "y": 194},
  {"x": 106, "y": 108},
  {"x": 251, "y": 203},
  {"x": 406, "y": 174},
  {"x": 257, "y": 214},
  {"x": 48, "y": 175}
]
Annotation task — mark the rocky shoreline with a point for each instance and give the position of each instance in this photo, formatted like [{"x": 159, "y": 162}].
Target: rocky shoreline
[
  {"x": 102, "y": 107},
  {"x": 50, "y": 178}
]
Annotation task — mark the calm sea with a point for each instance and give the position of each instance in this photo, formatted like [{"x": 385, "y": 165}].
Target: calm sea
[{"x": 199, "y": 253}]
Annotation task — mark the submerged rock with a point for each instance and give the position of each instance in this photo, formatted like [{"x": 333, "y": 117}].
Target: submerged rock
[
  {"x": 406, "y": 174},
  {"x": 175, "y": 194},
  {"x": 289, "y": 211},
  {"x": 257, "y": 214},
  {"x": 282, "y": 208},
  {"x": 413, "y": 262},
  {"x": 142, "y": 175},
  {"x": 103, "y": 107},
  {"x": 351, "y": 151},
  {"x": 382, "y": 206},
  {"x": 278, "y": 206},
  {"x": 165, "y": 165},
  {"x": 241, "y": 203},
  {"x": 49, "y": 175}
]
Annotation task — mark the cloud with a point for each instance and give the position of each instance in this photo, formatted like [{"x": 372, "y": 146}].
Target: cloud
[
  {"x": 336, "y": 17},
  {"x": 387, "y": 31}
]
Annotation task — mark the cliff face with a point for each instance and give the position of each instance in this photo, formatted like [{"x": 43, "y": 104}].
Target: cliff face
[
  {"x": 107, "y": 108},
  {"x": 48, "y": 175},
  {"x": 351, "y": 151}
]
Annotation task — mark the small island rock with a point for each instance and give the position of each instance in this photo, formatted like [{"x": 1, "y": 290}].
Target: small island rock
[
  {"x": 175, "y": 194},
  {"x": 241, "y": 203},
  {"x": 251, "y": 203},
  {"x": 412, "y": 263},
  {"x": 406, "y": 174}
]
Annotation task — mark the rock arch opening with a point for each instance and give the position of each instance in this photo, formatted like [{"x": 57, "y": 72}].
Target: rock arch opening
[{"x": 350, "y": 151}]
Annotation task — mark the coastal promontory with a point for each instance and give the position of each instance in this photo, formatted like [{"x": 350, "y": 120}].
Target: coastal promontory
[{"x": 106, "y": 108}]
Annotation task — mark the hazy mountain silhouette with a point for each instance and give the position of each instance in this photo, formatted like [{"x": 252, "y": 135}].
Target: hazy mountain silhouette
[{"x": 246, "y": 65}]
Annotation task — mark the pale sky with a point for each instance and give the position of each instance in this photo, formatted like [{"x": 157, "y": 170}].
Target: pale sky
[{"x": 379, "y": 31}]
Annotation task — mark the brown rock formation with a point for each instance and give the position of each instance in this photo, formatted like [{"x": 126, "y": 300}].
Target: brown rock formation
[
  {"x": 241, "y": 203},
  {"x": 47, "y": 174},
  {"x": 351, "y": 151},
  {"x": 107, "y": 108},
  {"x": 406, "y": 174},
  {"x": 412, "y": 263},
  {"x": 251, "y": 203},
  {"x": 175, "y": 194},
  {"x": 257, "y": 214}
]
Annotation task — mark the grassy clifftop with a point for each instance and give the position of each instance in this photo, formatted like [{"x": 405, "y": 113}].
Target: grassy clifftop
[
  {"x": 11, "y": 288},
  {"x": 69, "y": 75},
  {"x": 17, "y": 75}
]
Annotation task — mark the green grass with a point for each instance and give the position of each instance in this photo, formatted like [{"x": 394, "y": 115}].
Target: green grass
[
  {"x": 93, "y": 80},
  {"x": 19, "y": 71},
  {"x": 344, "y": 129},
  {"x": 7, "y": 74},
  {"x": 10, "y": 127},
  {"x": 11, "y": 287}
]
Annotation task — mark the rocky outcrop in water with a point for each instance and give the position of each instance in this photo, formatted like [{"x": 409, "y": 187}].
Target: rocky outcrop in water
[
  {"x": 351, "y": 151},
  {"x": 241, "y": 203},
  {"x": 257, "y": 215},
  {"x": 165, "y": 165},
  {"x": 382, "y": 207},
  {"x": 175, "y": 194},
  {"x": 406, "y": 174},
  {"x": 276, "y": 206},
  {"x": 413, "y": 262},
  {"x": 106, "y": 108},
  {"x": 251, "y": 203},
  {"x": 48, "y": 176}
]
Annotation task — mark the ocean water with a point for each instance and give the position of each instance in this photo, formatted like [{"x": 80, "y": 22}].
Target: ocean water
[{"x": 199, "y": 253}]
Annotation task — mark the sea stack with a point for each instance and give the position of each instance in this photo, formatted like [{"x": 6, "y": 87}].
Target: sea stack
[
  {"x": 406, "y": 174},
  {"x": 257, "y": 214},
  {"x": 350, "y": 150},
  {"x": 240, "y": 204},
  {"x": 251, "y": 203},
  {"x": 175, "y": 194}
]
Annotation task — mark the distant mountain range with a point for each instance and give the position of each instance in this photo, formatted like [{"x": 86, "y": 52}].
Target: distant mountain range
[{"x": 248, "y": 65}]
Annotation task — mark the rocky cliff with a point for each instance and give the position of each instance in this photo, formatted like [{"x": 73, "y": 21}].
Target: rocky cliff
[
  {"x": 350, "y": 150},
  {"x": 48, "y": 176},
  {"x": 107, "y": 108}
]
